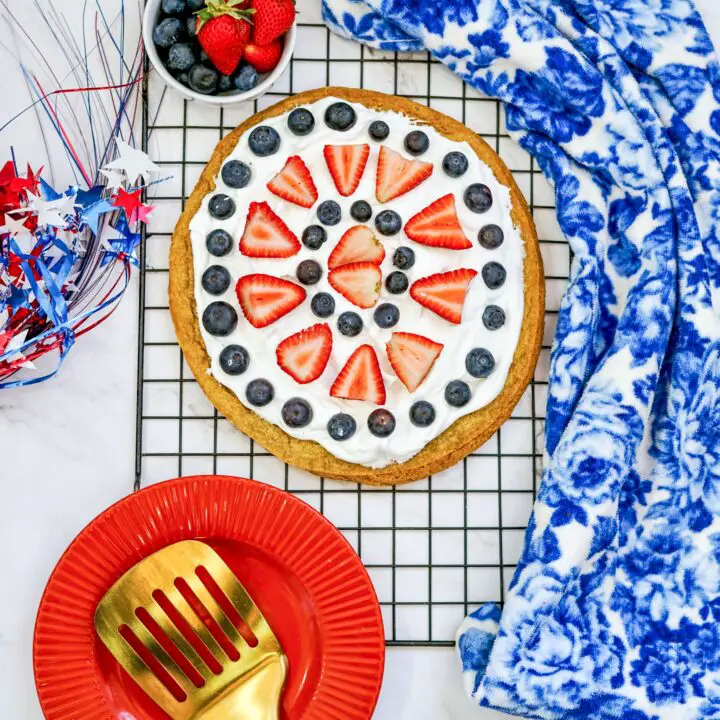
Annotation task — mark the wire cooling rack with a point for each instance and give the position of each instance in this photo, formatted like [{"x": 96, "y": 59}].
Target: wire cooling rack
[{"x": 437, "y": 548}]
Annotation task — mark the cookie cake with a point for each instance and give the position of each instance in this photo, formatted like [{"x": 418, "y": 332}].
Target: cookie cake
[{"x": 356, "y": 284}]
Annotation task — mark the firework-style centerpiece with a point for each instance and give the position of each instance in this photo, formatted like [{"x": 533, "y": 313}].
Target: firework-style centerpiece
[{"x": 66, "y": 253}]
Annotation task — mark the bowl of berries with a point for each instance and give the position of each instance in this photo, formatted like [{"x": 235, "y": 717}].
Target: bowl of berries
[{"x": 220, "y": 51}]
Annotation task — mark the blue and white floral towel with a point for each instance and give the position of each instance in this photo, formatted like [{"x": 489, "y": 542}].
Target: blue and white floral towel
[{"x": 614, "y": 611}]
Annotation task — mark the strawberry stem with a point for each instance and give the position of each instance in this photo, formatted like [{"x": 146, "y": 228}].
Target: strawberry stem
[{"x": 218, "y": 8}]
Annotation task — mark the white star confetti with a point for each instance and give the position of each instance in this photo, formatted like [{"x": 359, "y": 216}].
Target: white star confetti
[{"x": 133, "y": 162}]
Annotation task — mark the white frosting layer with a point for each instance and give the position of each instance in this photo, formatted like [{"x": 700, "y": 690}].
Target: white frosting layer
[{"x": 407, "y": 440}]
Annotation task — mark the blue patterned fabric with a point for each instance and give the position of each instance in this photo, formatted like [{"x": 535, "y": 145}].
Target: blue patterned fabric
[{"x": 614, "y": 610}]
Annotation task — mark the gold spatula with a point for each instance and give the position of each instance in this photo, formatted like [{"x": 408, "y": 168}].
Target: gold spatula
[{"x": 187, "y": 632}]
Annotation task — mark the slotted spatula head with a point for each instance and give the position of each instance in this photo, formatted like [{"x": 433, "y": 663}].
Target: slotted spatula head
[{"x": 187, "y": 632}]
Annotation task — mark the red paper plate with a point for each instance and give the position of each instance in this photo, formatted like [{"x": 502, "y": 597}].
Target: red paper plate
[{"x": 300, "y": 571}]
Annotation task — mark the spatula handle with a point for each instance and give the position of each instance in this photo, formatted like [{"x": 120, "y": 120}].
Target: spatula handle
[{"x": 256, "y": 698}]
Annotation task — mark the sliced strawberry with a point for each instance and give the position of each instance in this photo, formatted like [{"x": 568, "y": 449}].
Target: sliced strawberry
[
  {"x": 294, "y": 183},
  {"x": 412, "y": 357},
  {"x": 346, "y": 164},
  {"x": 357, "y": 282},
  {"x": 265, "y": 298},
  {"x": 396, "y": 175},
  {"x": 266, "y": 235},
  {"x": 444, "y": 293},
  {"x": 358, "y": 244},
  {"x": 438, "y": 226},
  {"x": 304, "y": 355},
  {"x": 361, "y": 378}
]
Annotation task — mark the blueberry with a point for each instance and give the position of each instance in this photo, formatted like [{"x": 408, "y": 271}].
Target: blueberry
[
  {"x": 422, "y": 414},
  {"x": 404, "y": 258},
  {"x": 181, "y": 57},
  {"x": 191, "y": 27},
  {"x": 378, "y": 130},
  {"x": 297, "y": 413},
  {"x": 350, "y": 324},
  {"x": 314, "y": 236},
  {"x": 246, "y": 78},
  {"x": 479, "y": 362},
  {"x": 329, "y": 212},
  {"x": 236, "y": 174},
  {"x": 323, "y": 305},
  {"x": 493, "y": 317},
  {"x": 388, "y": 222},
  {"x": 259, "y": 392},
  {"x": 309, "y": 272},
  {"x": 340, "y": 116},
  {"x": 168, "y": 32},
  {"x": 221, "y": 206},
  {"x": 226, "y": 84},
  {"x": 417, "y": 142},
  {"x": 219, "y": 243},
  {"x": 455, "y": 164},
  {"x": 264, "y": 141},
  {"x": 174, "y": 7},
  {"x": 494, "y": 275},
  {"x": 341, "y": 426},
  {"x": 381, "y": 423},
  {"x": 219, "y": 319},
  {"x": 234, "y": 360},
  {"x": 195, "y": 5},
  {"x": 478, "y": 197},
  {"x": 396, "y": 283},
  {"x": 203, "y": 79},
  {"x": 386, "y": 315},
  {"x": 183, "y": 78},
  {"x": 301, "y": 121},
  {"x": 216, "y": 280},
  {"x": 361, "y": 211},
  {"x": 457, "y": 393},
  {"x": 491, "y": 237}
]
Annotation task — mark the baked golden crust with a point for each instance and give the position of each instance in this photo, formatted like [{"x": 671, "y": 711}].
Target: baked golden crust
[{"x": 468, "y": 432}]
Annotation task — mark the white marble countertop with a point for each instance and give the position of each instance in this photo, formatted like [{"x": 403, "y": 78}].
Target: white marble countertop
[{"x": 86, "y": 419}]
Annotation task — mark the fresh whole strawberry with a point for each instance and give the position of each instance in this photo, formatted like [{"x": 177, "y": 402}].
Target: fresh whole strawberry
[
  {"x": 264, "y": 58},
  {"x": 223, "y": 32},
  {"x": 273, "y": 18}
]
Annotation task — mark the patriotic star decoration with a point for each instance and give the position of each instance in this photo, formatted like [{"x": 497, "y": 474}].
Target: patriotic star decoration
[
  {"x": 133, "y": 206},
  {"x": 17, "y": 230},
  {"x": 92, "y": 207},
  {"x": 52, "y": 213},
  {"x": 10, "y": 350},
  {"x": 133, "y": 162},
  {"x": 120, "y": 241},
  {"x": 114, "y": 180}
]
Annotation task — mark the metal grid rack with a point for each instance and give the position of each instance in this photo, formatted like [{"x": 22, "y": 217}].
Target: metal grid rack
[{"x": 435, "y": 549}]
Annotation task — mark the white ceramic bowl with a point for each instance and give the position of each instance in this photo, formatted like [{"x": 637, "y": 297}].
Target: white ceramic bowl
[{"x": 152, "y": 11}]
